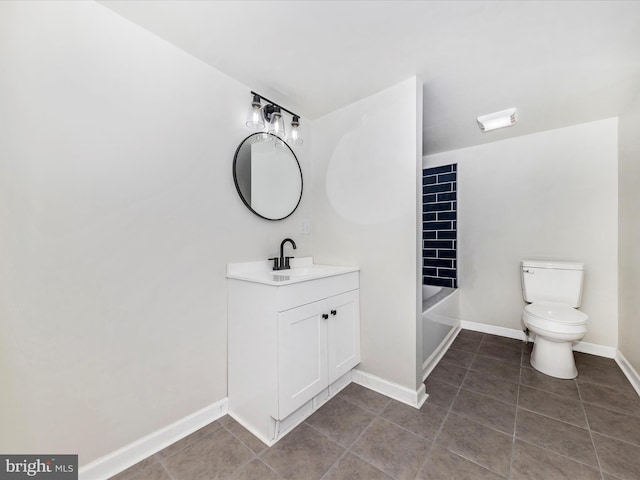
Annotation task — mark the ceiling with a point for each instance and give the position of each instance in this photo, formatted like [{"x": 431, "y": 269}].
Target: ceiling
[{"x": 558, "y": 62}]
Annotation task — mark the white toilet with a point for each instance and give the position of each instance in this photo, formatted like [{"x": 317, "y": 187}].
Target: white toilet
[{"x": 554, "y": 291}]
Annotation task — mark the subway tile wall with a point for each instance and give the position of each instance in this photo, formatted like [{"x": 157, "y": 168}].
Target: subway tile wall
[{"x": 439, "y": 223}]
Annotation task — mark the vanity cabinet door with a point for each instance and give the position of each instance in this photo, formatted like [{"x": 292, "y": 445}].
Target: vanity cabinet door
[
  {"x": 343, "y": 340},
  {"x": 302, "y": 355}
]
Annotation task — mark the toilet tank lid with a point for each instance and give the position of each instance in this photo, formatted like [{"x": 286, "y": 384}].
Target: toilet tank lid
[{"x": 552, "y": 264}]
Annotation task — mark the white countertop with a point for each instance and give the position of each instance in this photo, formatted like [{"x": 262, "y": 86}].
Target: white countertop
[{"x": 302, "y": 270}]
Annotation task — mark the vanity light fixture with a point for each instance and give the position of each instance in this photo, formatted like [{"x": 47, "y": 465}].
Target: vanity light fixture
[
  {"x": 271, "y": 116},
  {"x": 492, "y": 121}
]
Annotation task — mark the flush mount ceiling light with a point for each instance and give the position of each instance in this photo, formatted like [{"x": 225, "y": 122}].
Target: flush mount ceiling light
[
  {"x": 501, "y": 119},
  {"x": 271, "y": 116}
]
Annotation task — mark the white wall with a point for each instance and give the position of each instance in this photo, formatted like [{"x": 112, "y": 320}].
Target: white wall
[
  {"x": 629, "y": 233},
  {"x": 118, "y": 215},
  {"x": 366, "y": 164},
  {"x": 547, "y": 195}
]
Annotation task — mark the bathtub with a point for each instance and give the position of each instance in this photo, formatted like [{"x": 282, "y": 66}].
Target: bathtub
[{"x": 440, "y": 324}]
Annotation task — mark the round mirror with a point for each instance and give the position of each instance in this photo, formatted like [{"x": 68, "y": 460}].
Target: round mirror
[{"x": 267, "y": 176}]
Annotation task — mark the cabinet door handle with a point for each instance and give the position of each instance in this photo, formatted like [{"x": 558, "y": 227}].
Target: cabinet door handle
[
  {"x": 325, "y": 316},
  {"x": 334, "y": 312}
]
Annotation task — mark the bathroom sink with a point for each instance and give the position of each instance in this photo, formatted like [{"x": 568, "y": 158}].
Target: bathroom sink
[
  {"x": 302, "y": 269},
  {"x": 314, "y": 270}
]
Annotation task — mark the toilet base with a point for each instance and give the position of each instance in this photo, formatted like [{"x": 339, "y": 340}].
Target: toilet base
[{"x": 553, "y": 358}]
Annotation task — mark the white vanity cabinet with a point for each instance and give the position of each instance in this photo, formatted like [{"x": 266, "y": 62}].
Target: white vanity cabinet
[
  {"x": 317, "y": 344},
  {"x": 293, "y": 340}
]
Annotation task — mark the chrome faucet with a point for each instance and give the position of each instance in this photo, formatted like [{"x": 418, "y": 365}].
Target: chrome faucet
[{"x": 282, "y": 263}]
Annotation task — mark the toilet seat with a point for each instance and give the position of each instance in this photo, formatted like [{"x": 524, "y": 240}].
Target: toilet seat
[
  {"x": 555, "y": 320},
  {"x": 558, "y": 313}
]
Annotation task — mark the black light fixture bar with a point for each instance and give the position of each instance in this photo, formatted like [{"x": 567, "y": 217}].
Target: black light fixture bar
[{"x": 275, "y": 104}]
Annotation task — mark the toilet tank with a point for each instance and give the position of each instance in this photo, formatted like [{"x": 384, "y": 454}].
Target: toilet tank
[{"x": 552, "y": 281}]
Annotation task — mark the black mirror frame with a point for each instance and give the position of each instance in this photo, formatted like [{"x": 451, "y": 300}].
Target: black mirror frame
[{"x": 235, "y": 177}]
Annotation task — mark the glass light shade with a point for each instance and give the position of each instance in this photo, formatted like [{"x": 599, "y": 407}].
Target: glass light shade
[
  {"x": 276, "y": 126},
  {"x": 254, "y": 117},
  {"x": 294, "y": 134}
]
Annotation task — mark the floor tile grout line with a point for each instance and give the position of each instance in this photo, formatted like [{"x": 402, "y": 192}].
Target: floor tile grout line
[
  {"x": 499, "y": 377},
  {"x": 444, "y": 381},
  {"x": 550, "y": 417},
  {"x": 403, "y": 428},
  {"x": 616, "y": 439},
  {"x": 189, "y": 444},
  {"x": 474, "y": 420},
  {"x": 406, "y": 429},
  {"x": 495, "y": 359},
  {"x": 593, "y": 443},
  {"x": 331, "y": 439},
  {"x": 509, "y": 348},
  {"x": 444, "y": 420},
  {"x": 599, "y": 405},
  {"x": 557, "y": 453},
  {"x": 628, "y": 389},
  {"x": 467, "y": 389},
  {"x": 367, "y": 462},
  {"x": 360, "y": 406},
  {"x": 256, "y": 454},
  {"x": 548, "y": 392},
  {"x": 515, "y": 421},
  {"x": 167, "y": 470},
  {"x": 334, "y": 465},
  {"x": 348, "y": 450},
  {"x": 449, "y": 362},
  {"x": 265, "y": 464},
  {"x": 612, "y": 410},
  {"x": 241, "y": 466}
]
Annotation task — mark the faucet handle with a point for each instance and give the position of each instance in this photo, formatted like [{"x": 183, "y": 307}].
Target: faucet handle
[
  {"x": 276, "y": 263},
  {"x": 286, "y": 265}
]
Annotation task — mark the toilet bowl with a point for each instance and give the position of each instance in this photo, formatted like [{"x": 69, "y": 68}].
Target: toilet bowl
[
  {"x": 556, "y": 326},
  {"x": 554, "y": 291}
]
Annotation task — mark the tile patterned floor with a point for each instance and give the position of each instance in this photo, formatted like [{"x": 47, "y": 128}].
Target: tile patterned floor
[{"x": 489, "y": 416}]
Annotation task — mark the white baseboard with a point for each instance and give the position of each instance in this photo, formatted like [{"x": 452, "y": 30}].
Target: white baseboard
[
  {"x": 431, "y": 362},
  {"x": 628, "y": 370},
  {"x": 595, "y": 349},
  {"x": 127, "y": 456},
  {"x": 492, "y": 329},
  {"x": 413, "y": 398},
  {"x": 583, "y": 347}
]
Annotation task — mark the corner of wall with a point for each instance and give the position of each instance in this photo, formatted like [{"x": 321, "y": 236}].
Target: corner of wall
[
  {"x": 363, "y": 204},
  {"x": 628, "y": 234}
]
